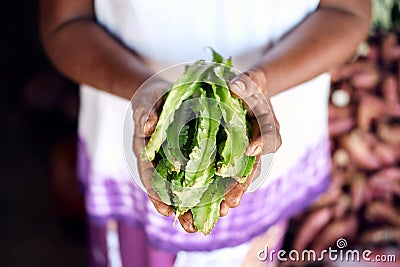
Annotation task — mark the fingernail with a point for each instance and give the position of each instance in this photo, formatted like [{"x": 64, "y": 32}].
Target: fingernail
[
  {"x": 143, "y": 120},
  {"x": 240, "y": 86},
  {"x": 253, "y": 151},
  {"x": 235, "y": 202}
]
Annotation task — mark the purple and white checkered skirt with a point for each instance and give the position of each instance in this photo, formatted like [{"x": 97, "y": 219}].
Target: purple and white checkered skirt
[{"x": 289, "y": 194}]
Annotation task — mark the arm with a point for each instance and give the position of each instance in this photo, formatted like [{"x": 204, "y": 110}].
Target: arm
[
  {"x": 325, "y": 39},
  {"x": 83, "y": 51},
  {"x": 321, "y": 42}
]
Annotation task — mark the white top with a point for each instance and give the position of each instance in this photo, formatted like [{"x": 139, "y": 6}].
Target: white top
[{"x": 166, "y": 33}]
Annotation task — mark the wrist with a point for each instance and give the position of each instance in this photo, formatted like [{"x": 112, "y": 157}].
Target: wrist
[
  {"x": 259, "y": 77},
  {"x": 125, "y": 86}
]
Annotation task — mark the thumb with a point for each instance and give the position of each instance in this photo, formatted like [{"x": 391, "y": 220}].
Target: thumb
[
  {"x": 234, "y": 196},
  {"x": 267, "y": 139}
]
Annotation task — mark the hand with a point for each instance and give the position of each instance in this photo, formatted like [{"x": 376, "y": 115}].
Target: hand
[
  {"x": 252, "y": 88},
  {"x": 265, "y": 136},
  {"x": 146, "y": 103}
]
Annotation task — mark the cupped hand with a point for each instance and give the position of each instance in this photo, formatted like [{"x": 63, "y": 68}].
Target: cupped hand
[
  {"x": 252, "y": 88},
  {"x": 146, "y": 104}
]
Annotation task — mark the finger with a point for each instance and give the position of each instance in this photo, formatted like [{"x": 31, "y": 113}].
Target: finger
[
  {"x": 160, "y": 100},
  {"x": 238, "y": 87},
  {"x": 265, "y": 140},
  {"x": 271, "y": 140},
  {"x": 146, "y": 172},
  {"x": 140, "y": 139},
  {"x": 145, "y": 104},
  {"x": 245, "y": 91},
  {"x": 257, "y": 76},
  {"x": 160, "y": 206},
  {"x": 250, "y": 88},
  {"x": 234, "y": 196},
  {"x": 255, "y": 147},
  {"x": 255, "y": 129},
  {"x": 150, "y": 124},
  {"x": 265, "y": 144},
  {"x": 145, "y": 167},
  {"x": 187, "y": 222},
  {"x": 145, "y": 118},
  {"x": 152, "y": 119},
  {"x": 224, "y": 209},
  {"x": 253, "y": 81},
  {"x": 255, "y": 173},
  {"x": 150, "y": 94}
]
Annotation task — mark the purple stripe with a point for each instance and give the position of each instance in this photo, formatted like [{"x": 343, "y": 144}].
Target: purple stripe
[
  {"x": 285, "y": 197},
  {"x": 134, "y": 249},
  {"x": 102, "y": 220},
  {"x": 83, "y": 163},
  {"x": 239, "y": 234}
]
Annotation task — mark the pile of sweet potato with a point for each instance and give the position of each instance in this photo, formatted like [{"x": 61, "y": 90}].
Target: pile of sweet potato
[{"x": 362, "y": 204}]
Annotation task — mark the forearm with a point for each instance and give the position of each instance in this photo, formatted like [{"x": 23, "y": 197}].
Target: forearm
[
  {"x": 83, "y": 51},
  {"x": 322, "y": 41}
]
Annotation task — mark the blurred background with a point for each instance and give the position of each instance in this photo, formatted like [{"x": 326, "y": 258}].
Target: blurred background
[{"x": 41, "y": 209}]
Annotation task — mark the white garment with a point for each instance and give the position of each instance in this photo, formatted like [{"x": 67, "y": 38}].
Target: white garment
[
  {"x": 224, "y": 257},
  {"x": 165, "y": 34}
]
